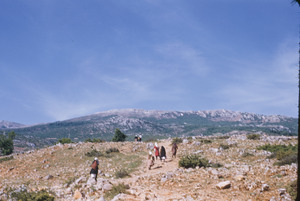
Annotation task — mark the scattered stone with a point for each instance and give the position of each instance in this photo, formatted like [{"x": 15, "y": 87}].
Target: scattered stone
[
  {"x": 77, "y": 195},
  {"x": 48, "y": 177},
  {"x": 224, "y": 185},
  {"x": 107, "y": 187},
  {"x": 265, "y": 187}
]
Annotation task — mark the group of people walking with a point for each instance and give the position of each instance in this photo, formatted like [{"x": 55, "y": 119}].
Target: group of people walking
[{"x": 161, "y": 154}]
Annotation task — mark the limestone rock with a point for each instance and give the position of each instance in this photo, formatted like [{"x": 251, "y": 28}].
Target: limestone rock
[
  {"x": 224, "y": 185},
  {"x": 77, "y": 195},
  {"x": 107, "y": 187}
]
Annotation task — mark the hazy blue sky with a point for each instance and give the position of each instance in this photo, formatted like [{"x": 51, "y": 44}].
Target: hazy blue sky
[{"x": 67, "y": 58}]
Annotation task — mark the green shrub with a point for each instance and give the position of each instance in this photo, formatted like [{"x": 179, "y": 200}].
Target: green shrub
[
  {"x": 121, "y": 174},
  {"x": 65, "y": 141},
  {"x": 111, "y": 150},
  {"x": 292, "y": 189},
  {"x": 253, "y": 136},
  {"x": 176, "y": 140},
  {"x": 94, "y": 153},
  {"x": 224, "y": 146},
  {"x": 285, "y": 155},
  {"x": 117, "y": 189},
  {"x": 205, "y": 141},
  {"x": 6, "y": 158},
  {"x": 192, "y": 161},
  {"x": 94, "y": 140},
  {"x": 32, "y": 196},
  {"x": 247, "y": 154}
]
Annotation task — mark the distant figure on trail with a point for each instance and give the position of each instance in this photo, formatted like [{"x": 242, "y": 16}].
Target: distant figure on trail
[
  {"x": 150, "y": 160},
  {"x": 156, "y": 150},
  {"x": 95, "y": 168},
  {"x": 174, "y": 150},
  {"x": 136, "y": 138},
  {"x": 139, "y": 138},
  {"x": 163, "y": 154}
]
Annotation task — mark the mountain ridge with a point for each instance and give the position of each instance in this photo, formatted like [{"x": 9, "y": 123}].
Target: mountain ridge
[{"x": 154, "y": 124}]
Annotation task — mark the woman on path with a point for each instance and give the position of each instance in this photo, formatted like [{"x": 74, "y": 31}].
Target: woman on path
[
  {"x": 174, "y": 150},
  {"x": 156, "y": 150},
  {"x": 163, "y": 154}
]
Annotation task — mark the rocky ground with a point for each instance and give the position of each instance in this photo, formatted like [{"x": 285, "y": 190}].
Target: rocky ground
[{"x": 63, "y": 170}]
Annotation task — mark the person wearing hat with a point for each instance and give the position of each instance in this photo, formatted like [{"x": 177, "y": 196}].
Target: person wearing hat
[{"x": 95, "y": 168}]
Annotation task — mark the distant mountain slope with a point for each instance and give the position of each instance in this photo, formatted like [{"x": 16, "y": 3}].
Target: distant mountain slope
[
  {"x": 159, "y": 124},
  {"x": 8, "y": 124}
]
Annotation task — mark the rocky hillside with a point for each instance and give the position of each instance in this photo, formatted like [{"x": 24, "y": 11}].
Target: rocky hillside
[
  {"x": 243, "y": 173},
  {"x": 10, "y": 125},
  {"x": 159, "y": 124}
]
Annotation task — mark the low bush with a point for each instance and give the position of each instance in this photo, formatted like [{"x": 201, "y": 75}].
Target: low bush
[
  {"x": 176, "y": 140},
  {"x": 111, "y": 150},
  {"x": 247, "y": 154},
  {"x": 117, "y": 189},
  {"x": 32, "y": 196},
  {"x": 192, "y": 161},
  {"x": 65, "y": 141},
  {"x": 205, "y": 141},
  {"x": 285, "y": 155},
  {"x": 94, "y": 153},
  {"x": 292, "y": 189},
  {"x": 94, "y": 140},
  {"x": 121, "y": 174},
  {"x": 224, "y": 146},
  {"x": 6, "y": 158},
  {"x": 253, "y": 136}
]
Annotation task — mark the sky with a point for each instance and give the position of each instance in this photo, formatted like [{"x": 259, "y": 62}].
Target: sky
[{"x": 61, "y": 59}]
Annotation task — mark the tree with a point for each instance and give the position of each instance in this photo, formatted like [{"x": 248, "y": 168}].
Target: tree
[
  {"x": 298, "y": 155},
  {"x": 119, "y": 136},
  {"x": 6, "y": 143}
]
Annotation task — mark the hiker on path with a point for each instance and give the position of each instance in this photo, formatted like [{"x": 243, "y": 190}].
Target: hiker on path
[
  {"x": 156, "y": 150},
  {"x": 150, "y": 160},
  {"x": 174, "y": 150},
  {"x": 163, "y": 154},
  {"x": 95, "y": 168}
]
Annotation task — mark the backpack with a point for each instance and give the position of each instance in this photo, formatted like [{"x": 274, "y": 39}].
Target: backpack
[{"x": 94, "y": 165}]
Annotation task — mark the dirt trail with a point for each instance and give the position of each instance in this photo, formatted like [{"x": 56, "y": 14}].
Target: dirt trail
[{"x": 170, "y": 165}]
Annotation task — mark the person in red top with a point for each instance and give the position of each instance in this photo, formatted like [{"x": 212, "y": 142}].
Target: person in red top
[{"x": 156, "y": 150}]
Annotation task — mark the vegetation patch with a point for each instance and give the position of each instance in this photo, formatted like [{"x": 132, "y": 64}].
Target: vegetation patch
[
  {"x": 205, "y": 141},
  {"x": 117, "y": 189},
  {"x": 94, "y": 153},
  {"x": 6, "y": 158},
  {"x": 64, "y": 141},
  {"x": 192, "y": 161},
  {"x": 176, "y": 140},
  {"x": 285, "y": 155},
  {"x": 225, "y": 146},
  {"x": 94, "y": 140},
  {"x": 292, "y": 189},
  {"x": 253, "y": 137},
  {"x": 121, "y": 174},
  {"x": 112, "y": 150},
  {"x": 32, "y": 196}
]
